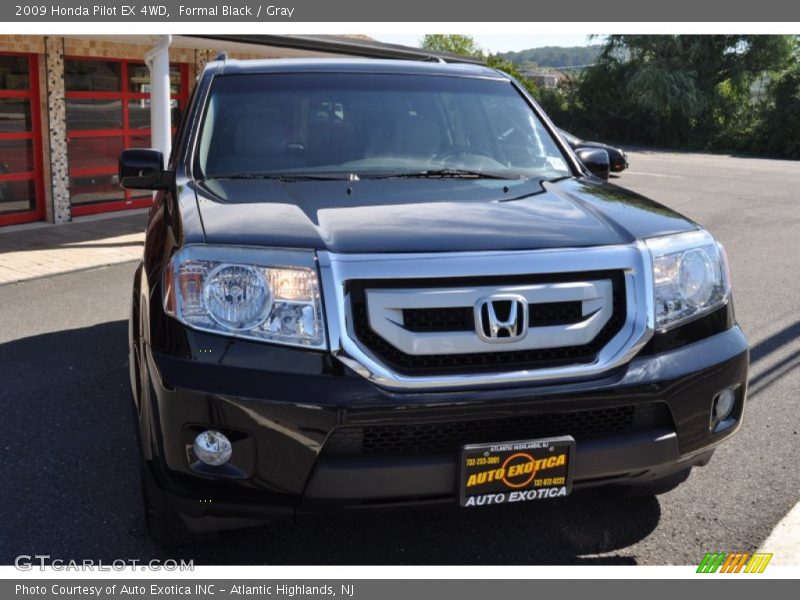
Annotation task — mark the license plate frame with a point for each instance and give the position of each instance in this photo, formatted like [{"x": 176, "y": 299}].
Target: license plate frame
[{"x": 516, "y": 471}]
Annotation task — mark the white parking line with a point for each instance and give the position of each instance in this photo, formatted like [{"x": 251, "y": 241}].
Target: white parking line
[{"x": 784, "y": 541}]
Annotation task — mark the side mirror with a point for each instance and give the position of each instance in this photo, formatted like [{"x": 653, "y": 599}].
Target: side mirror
[
  {"x": 142, "y": 169},
  {"x": 596, "y": 161}
]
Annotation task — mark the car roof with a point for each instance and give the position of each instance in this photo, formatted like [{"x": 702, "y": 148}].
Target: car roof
[{"x": 353, "y": 65}]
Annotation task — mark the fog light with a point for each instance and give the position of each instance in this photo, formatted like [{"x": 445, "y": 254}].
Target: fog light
[
  {"x": 724, "y": 404},
  {"x": 212, "y": 448}
]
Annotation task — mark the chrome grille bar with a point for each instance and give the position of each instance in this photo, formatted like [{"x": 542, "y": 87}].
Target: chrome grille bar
[{"x": 336, "y": 270}]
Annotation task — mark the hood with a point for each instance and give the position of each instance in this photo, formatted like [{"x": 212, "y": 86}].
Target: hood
[{"x": 428, "y": 215}]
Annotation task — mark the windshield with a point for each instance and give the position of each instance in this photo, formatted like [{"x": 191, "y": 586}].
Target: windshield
[{"x": 362, "y": 125}]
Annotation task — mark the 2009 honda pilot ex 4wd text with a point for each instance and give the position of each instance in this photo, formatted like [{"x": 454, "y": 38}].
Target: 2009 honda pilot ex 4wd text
[{"x": 370, "y": 283}]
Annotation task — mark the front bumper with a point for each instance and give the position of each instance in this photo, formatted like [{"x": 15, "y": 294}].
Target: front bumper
[{"x": 281, "y": 405}]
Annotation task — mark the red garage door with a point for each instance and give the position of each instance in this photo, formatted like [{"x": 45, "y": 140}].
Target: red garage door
[
  {"x": 21, "y": 186},
  {"x": 108, "y": 109}
]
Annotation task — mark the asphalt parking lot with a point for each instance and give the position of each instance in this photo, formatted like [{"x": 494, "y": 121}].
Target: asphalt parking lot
[{"x": 69, "y": 466}]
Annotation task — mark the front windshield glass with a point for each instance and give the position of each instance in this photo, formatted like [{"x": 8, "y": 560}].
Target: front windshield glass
[{"x": 362, "y": 125}]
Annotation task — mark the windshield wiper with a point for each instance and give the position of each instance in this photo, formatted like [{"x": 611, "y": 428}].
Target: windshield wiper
[
  {"x": 556, "y": 179},
  {"x": 291, "y": 176},
  {"x": 448, "y": 174}
]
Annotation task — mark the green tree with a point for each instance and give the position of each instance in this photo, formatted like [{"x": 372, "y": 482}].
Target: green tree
[
  {"x": 679, "y": 89},
  {"x": 781, "y": 115},
  {"x": 501, "y": 64},
  {"x": 463, "y": 45}
]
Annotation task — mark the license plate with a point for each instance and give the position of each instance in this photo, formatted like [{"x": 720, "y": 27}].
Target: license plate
[{"x": 520, "y": 471}]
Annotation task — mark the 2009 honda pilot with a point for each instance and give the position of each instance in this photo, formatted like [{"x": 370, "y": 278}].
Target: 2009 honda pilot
[{"x": 370, "y": 283}]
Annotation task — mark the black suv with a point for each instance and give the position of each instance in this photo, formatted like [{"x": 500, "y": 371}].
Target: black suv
[{"x": 370, "y": 283}]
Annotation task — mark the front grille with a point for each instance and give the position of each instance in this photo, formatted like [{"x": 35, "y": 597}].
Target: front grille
[
  {"x": 462, "y": 318},
  {"x": 443, "y": 437},
  {"x": 495, "y": 361}
]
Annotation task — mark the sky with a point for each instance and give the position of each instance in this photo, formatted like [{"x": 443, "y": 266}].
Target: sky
[{"x": 500, "y": 42}]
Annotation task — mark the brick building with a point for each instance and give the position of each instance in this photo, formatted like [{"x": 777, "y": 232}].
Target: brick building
[{"x": 70, "y": 104}]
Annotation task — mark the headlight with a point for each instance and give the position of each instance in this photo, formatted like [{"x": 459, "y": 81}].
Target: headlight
[
  {"x": 691, "y": 277},
  {"x": 259, "y": 294}
]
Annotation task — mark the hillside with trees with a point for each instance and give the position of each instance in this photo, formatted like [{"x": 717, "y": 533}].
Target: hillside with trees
[{"x": 556, "y": 57}]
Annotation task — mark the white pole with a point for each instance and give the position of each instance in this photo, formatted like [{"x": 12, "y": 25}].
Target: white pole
[{"x": 157, "y": 60}]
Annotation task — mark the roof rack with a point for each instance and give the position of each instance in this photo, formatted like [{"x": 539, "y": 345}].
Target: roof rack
[
  {"x": 329, "y": 44},
  {"x": 223, "y": 56}
]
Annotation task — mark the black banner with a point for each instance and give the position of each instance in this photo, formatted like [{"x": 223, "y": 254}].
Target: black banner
[
  {"x": 387, "y": 589},
  {"x": 250, "y": 11}
]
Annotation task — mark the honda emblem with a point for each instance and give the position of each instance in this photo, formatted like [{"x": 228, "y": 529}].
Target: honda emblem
[{"x": 501, "y": 318}]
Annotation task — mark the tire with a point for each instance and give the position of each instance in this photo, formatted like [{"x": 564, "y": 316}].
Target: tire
[
  {"x": 164, "y": 523},
  {"x": 653, "y": 488}
]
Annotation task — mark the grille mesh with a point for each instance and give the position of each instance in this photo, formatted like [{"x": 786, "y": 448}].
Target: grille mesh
[
  {"x": 457, "y": 318},
  {"x": 485, "y": 361},
  {"x": 462, "y": 318},
  {"x": 441, "y": 437}
]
